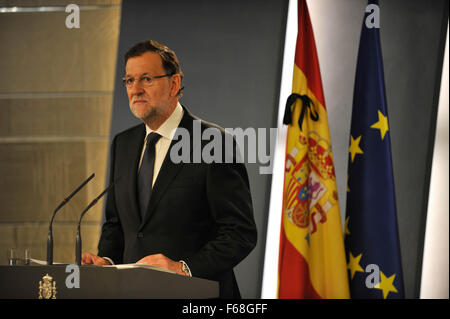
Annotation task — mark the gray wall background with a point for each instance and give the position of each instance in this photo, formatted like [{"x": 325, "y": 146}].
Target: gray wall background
[{"x": 231, "y": 53}]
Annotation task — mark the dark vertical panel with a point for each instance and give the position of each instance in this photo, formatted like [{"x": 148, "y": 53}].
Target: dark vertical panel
[
  {"x": 231, "y": 54},
  {"x": 413, "y": 40}
]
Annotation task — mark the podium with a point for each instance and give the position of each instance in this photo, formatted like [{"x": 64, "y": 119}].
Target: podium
[{"x": 95, "y": 282}]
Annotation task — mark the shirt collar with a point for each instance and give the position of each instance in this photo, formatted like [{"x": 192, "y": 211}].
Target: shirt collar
[{"x": 168, "y": 128}]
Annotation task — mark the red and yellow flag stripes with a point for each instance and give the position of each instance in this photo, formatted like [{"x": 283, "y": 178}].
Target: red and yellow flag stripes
[{"x": 312, "y": 257}]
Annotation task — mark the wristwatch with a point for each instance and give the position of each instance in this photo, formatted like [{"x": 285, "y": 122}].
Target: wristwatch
[{"x": 185, "y": 268}]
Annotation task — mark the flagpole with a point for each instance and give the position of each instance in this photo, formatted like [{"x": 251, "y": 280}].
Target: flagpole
[{"x": 270, "y": 271}]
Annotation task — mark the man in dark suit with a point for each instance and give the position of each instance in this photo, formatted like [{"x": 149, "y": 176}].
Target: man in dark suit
[{"x": 192, "y": 217}]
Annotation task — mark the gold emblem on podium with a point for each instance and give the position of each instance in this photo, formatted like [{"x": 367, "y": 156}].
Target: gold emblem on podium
[{"x": 47, "y": 288}]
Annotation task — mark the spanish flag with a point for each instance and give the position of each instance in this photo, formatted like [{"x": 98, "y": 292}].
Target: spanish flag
[{"x": 312, "y": 260}]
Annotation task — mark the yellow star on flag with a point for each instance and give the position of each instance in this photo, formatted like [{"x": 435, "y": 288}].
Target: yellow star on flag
[
  {"x": 347, "y": 232},
  {"x": 386, "y": 284},
  {"x": 353, "y": 264},
  {"x": 354, "y": 147},
  {"x": 382, "y": 124}
]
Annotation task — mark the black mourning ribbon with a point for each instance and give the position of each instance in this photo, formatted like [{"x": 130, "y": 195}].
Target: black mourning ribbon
[{"x": 306, "y": 103}]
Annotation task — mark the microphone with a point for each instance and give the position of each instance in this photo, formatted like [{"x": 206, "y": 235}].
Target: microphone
[
  {"x": 50, "y": 231},
  {"x": 78, "y": 243}
]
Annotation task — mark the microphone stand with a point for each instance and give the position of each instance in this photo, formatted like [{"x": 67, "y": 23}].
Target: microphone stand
[
  {"x": 50, "y": 230},
  {"x": 78, "y": 242}
]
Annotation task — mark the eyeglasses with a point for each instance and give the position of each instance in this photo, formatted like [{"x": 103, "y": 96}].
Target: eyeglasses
[{"x": 144, "y": 80}]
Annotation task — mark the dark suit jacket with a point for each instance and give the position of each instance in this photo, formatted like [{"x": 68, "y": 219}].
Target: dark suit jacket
[{"x": 199, "y": 212}]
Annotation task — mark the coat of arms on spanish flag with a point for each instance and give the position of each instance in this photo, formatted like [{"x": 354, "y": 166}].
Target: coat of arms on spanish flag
[{"x": 312, "y": 260}]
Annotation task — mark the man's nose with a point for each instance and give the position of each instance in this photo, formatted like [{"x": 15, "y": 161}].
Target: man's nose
[{"x": 136, "y": 88}]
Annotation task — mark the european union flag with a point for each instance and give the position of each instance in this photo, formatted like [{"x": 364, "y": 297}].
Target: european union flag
[{"x": 371, "y": 232}]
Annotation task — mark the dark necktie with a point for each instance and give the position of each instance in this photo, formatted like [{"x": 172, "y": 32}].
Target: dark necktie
[{"x": 145, "y": 176}]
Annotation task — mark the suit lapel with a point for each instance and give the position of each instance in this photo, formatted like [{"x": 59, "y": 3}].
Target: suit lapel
[
  {"x": 132, "y": 154},
  {"x": 168, "y": 171}
]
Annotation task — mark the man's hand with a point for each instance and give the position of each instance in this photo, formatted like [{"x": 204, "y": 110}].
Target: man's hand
[
  {"x": 91, "y": 259},
  {"x": 162, "y": 261}
]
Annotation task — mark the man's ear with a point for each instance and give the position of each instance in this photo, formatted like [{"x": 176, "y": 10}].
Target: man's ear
[{"x": 175, "y": 84}]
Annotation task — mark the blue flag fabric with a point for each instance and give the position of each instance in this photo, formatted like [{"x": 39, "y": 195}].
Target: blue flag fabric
[{"x": 371, "y": 232}]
